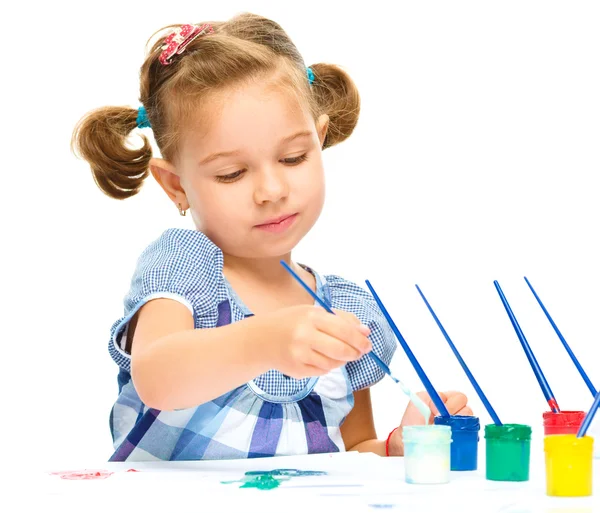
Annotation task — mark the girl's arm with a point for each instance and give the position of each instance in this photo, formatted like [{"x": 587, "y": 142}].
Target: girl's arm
[
  {"x": 174, "y": 366},
  {"x": 358, "y": 430}
]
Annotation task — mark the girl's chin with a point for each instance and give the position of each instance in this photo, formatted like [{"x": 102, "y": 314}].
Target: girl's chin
[{"x": 264, "y": 252}]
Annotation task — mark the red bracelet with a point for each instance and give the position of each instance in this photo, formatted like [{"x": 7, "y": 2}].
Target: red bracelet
[{"x": 387, "y": 442}]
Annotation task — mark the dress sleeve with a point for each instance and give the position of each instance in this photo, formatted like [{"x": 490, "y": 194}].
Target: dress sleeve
[
  {"x": 348, "y": 296},
  {"x": 183, "y": 265}
]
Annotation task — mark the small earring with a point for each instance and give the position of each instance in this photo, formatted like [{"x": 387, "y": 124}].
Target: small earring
[{"x": 181, "y": 211}]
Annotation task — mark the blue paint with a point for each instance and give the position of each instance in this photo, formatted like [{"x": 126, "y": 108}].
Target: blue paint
[
  {"x": 289, "y": 472},
  {"x": 465, "y": 438}
]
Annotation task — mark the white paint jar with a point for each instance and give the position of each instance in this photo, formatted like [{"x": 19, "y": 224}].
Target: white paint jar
[{"x": 427, "y": 454}]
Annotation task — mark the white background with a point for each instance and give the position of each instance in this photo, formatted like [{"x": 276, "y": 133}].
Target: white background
[{"x": 475, "y": 159}]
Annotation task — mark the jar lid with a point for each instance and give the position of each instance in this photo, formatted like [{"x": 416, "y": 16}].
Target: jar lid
[
  {"x": 508, "y": 432},
  {"x": 563, "y": 418},
  {"x": 458, "y": 422}
]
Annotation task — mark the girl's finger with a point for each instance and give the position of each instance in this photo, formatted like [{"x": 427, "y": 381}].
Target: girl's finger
[
  {"x": 334, "y": 349},
  {"x": 347, "y": 315},
  {"x": 322, "y": 362},
  {"x": 343, "y": 330},
  {"x": 429, "y": 402},
  {"x": 466, "y": 411},
  {"x": 309, "y": 370},
  {"x": 456, "y": 402}
]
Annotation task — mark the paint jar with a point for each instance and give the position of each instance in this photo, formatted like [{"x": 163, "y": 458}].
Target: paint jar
[
  {"x": 465, "y": 436},
  {"x": 427, "y": 454},
  {"x": 594, "y": 432},
  {"x": 507, "y": 451},
  {"x": 568, "y": 465},
  {"x": 562, "y": 423}
]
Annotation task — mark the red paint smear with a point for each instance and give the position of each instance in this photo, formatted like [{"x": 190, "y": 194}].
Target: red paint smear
[
  {"x": 553, "y": 405},
  {"x": 81, "y": 475},
  {"x": 132, "y": 470}
]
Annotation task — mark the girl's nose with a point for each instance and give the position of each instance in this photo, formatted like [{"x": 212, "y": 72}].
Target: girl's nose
[{"x": 271, "y": 185}]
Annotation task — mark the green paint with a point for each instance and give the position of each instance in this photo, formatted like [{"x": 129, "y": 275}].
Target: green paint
[
  {"x": 262, "y": 482},
  {"x": 270, "y": 479},
  {"x": 507, "y": 452}
]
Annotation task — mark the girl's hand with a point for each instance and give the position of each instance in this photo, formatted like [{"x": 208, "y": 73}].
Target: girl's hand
[
  {"x": 308, "y": 341},
  {"x": 455, "y": 402}
]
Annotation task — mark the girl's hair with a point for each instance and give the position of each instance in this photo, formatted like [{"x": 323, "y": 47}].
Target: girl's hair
[{"x": 244, "y": 48}]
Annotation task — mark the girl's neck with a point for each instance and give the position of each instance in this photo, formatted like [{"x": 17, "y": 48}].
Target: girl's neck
[
  {"x": 265, "y": 285},
  {"x": 268, "y": 270}
]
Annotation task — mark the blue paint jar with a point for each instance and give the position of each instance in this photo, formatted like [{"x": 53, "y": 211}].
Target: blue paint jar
[{"x": 465, "y": 437}]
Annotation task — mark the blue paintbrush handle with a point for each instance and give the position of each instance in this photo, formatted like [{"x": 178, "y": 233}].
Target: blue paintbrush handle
[
  {"x": 587, "y": 380},
  {"x": 375, "y": 358},
  {"x": 306, "y": 287},
  {"x": 528, "y": 352},
  {"x": 437, "y": 400},
  {"x": 382, "y": 365},
  {"x": 472, "y": 379},
  {"x": 589, "y": 416}
]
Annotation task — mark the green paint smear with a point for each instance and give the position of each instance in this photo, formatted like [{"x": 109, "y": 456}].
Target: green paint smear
[
  {"x": 271, "y": 479},
  {"x": 262, "y": 483}
]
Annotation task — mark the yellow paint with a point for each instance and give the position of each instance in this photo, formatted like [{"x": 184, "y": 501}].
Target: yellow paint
[{"x": 568, "y": 465}]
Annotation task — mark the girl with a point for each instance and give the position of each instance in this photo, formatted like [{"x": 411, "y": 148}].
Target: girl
[{"x": 221, "y": 353}]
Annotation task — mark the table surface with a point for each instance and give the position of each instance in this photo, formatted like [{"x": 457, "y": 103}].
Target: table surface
[{"x": 353, "y": 482}]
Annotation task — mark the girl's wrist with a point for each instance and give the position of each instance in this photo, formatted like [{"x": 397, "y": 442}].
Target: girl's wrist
[
  {"x": 258, "y": 352},
  {"x": 394, "y": 445}
]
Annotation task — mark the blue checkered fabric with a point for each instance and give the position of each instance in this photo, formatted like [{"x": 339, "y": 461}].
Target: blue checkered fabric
[{"x": 271, "y": 415}]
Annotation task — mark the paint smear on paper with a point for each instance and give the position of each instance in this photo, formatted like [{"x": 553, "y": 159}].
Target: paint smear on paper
[
  {"x": 290, "y": 472},
  {"x": 271, "y": 479},
  {"x": 262, "y": 482},
  {"x": 82, "y": 475}
]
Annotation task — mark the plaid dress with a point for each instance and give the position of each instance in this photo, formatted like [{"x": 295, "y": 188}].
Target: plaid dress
[{"x": 271, "y": 415}]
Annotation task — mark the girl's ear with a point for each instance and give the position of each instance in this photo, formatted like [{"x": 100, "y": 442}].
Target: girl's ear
[
  {"x": 166, "y": 175},
  {"x": 322, "y": 126}
]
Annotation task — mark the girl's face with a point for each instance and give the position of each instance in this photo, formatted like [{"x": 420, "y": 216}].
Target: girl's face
[{"x": 254, "y": 179}]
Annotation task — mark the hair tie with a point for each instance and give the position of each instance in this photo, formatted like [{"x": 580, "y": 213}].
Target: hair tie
[
  {"x": 142, "y": 118},
  {"x": 310, "y": 75}
]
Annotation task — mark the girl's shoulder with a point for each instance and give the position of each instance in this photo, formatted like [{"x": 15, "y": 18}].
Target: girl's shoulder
[
  {"x": 347, "y": 295},
  {"x": 182, "y": 265},
  {"x": 180, "y": 261},
  {"x": 183, "y": 249}
]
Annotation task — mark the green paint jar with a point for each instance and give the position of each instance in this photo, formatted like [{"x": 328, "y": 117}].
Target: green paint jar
[{"x": 507, "y": 452}]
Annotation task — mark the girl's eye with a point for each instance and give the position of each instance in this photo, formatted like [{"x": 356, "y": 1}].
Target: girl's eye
[
  {"x": 294, "y": 161},
  {"x": 231, "y": 177}
]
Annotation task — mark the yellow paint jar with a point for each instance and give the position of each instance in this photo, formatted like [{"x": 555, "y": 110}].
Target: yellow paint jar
[{"x": 568, "y": 465}]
